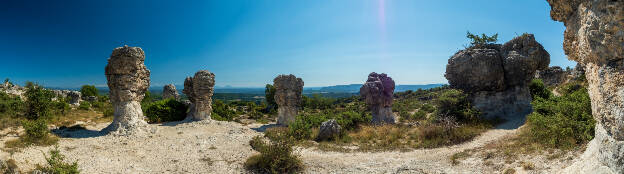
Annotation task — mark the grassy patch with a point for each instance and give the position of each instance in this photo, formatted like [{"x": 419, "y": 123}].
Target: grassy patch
[
  {"x": 56, "y": 164},
  {"x": 276, "y": 156}
]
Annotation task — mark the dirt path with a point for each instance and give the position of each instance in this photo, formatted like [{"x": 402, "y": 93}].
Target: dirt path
[{"x": 418, "y": 161}]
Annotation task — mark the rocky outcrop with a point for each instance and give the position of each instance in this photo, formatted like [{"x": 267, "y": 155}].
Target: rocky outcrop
[
  {"x": 328, "y": 130},
  {"x": 496, "y": 76},
  {"x": 199, "y": 90},
  {"x": 594, "y": 37},
  {"x": 74, "y": 97},
  {"x": 377, "y": 92},
  {"x": 288, "y": 89},
  {"x": 128, "y": 78},
  {"x": 552, "y": 76},
  {"x": 169, "y": 91}
]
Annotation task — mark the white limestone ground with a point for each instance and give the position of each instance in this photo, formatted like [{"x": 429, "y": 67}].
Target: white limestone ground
[{"x": 223, "y": 147}]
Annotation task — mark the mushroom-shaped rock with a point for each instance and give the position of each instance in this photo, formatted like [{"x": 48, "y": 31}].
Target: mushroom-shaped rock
[
  {"x": 199, "y": 90},
  {"x": 329, "y": 129},
  {"x": 288, "y": 89},
  {"x": 594, "y": 37},
  {"x": 128, "y": 78},
  {"x": 378, "y": 92},
  {"x": 552, "y": 76},
  {"x": 74, "y": 97},
  {"x": 169, "y": 91}
]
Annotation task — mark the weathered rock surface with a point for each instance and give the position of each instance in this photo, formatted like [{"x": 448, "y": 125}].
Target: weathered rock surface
[
  {"x": 552, "y": 76},
  {"x": 288, "y": 97},
  {"x": 329, "y": 129},
  {"x": 128, "y": 78},
  {"x": 594, "y": 37},
  {"x": 199, "y": 90},
  {"x": 496, "y": 76},
  {"x": 75, "y": 97},
  {"x": 377, "y": 92},
  {"x": 169, "y": 91}
]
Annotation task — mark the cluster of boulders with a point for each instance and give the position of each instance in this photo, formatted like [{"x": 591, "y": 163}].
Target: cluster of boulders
[
  {"x": 555, "y": 75},
  {"x": 594, "y": 37},
  {"x": 288, "y": 90},
  {"x": 199, "y": 90},
  {"x": 128, "y": 78},
  {"x": 13, "y": 89},
  {"x": 74, "y": 96},
  {"x": 378, "y": 92},
  {"x": 496, "y": 76}
]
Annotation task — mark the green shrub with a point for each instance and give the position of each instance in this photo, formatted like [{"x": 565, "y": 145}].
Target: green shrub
[
  {"x": 165, "y": 110},
  {"x": 108, "y": 112},
  {"x": 57, "y": 165},
  {"x": 89, "y": 90},
  {"x": 419, "y": 115},
  {"x": 35, "y": 129},
  {"x": 455, "y": 103},
  {"x": 481, "y": 40},
  {"x": 275, "y": 157},
  {"x": 39, "y": 102},
  {"x": 428, "y": 108},
  {"x": 538, "y": 89},
  {"x": 84, "y": 105},
  {"x": 562, "y": 122},
  {"x": 222, "y": 111},
  {"x": 269, "y": 93},
  {"x": 10, "y": 106}
]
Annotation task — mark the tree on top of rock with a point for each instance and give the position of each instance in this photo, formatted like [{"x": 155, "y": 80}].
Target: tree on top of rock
[{"x": 481, "y": 40}]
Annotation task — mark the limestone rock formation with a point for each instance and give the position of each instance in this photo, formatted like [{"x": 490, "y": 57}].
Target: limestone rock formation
[
  {"x": 169, "y": 91},
  {"x": 377, "y": 92},
  {"x": 329, "y": 129},
  {"x": 553, "y": 76},
  {"x": 75, "y": 97},
  {"x": 199, "y": 90},
  {"x": 594, "y": 37},
  {"x": 288, "y": 97},
  {"x": 496, "y": 76},
  {"x": 128, "y": 78}
]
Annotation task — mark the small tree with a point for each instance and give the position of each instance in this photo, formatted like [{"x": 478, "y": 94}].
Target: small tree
[
  {"x": 89, "y": 90},
  {"x": 269, "y": 93},
  {"x": 39, "y": 101},
  {"x": 481, "y": 40}
]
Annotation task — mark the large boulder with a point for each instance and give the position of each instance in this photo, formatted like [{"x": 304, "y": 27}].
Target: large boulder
[
  {"x": 169, "y": 91},
  {"x": 497, "y": 76},
  {"x": 288, "y": 89},
  {"x": 199, "y": 90},
  {"x": 328, "y": 130},
  {"x": 594, "y": 37},
  {"x": 377, "y": 92},
  {"x": 128, "y": 78},
  {"x": 75, "y": 97}
]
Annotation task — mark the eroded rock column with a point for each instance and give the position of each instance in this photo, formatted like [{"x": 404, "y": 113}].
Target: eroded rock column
[
  {"x": 128, "y": 79},
  {"x": 169, "y": 91},
  {"x": 594, "y": 37},
  {"x": 199, "y": 90},
  {"x": 288, "y": 97},
  {"x": 378, "y": 92},
  {"x": 496, "y": 76}
]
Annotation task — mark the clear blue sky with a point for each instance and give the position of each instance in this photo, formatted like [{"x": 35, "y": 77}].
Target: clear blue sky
[{"x": 248, "y": 43}]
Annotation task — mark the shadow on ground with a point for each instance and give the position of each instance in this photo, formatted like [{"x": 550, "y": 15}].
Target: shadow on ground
[
  {"x": 263, "y": 128},
  {"x": 77, "y": 131}
]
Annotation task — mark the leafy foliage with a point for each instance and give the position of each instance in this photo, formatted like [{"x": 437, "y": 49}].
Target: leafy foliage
[
  {"x": 222, "y": 111},
  {"x": 269, "y": 93},
  {"x": 484, "y": 39},
  {"x": 165, "y": 111},
  {"x": 35, "y": 129},
  {"x": 89, "y": 90},
  {"x": 538, "y": 89},
  {"x": 39, "y": 102},
  {"x": 275, "y": 157},
  {"x": 562, "y": 121},
  {"x": 57, "y": 165},
  {"x": 455, "y": 103}
]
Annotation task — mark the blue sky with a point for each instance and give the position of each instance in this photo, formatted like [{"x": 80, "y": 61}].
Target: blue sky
[{"x": 248, "y": 43}]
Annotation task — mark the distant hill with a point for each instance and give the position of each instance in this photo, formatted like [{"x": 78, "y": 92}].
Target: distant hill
[{"x": 355, "y": 88}]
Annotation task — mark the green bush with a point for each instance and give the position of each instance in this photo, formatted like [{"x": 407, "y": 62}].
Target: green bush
[
  {"x": 275, "y": 157},
  {"x": 455, "y": 103},
  {"x": 222, "y": 111},
  {"x": 562, "y": 122},
  {"x": 318, "y": 102},
  {"x": 35, "y": 129},
  {"x": 89, "y": 90},
  {"x": 538, "y": 89},
  {"x": 165, "y": 110},
  {"x": 84, "y": 105},
  {"x": 39, "y": 102},
  {"x": 57, "y": 165},
  {"x": 481, "y": 40},
  {"x": 10, "y": 106},
  {"x": 302, "y": 127},
  {"x": 269, "y": 93}
]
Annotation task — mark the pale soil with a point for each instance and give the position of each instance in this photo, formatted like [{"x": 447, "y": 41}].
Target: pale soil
[{"x": 222, "y": 147}]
